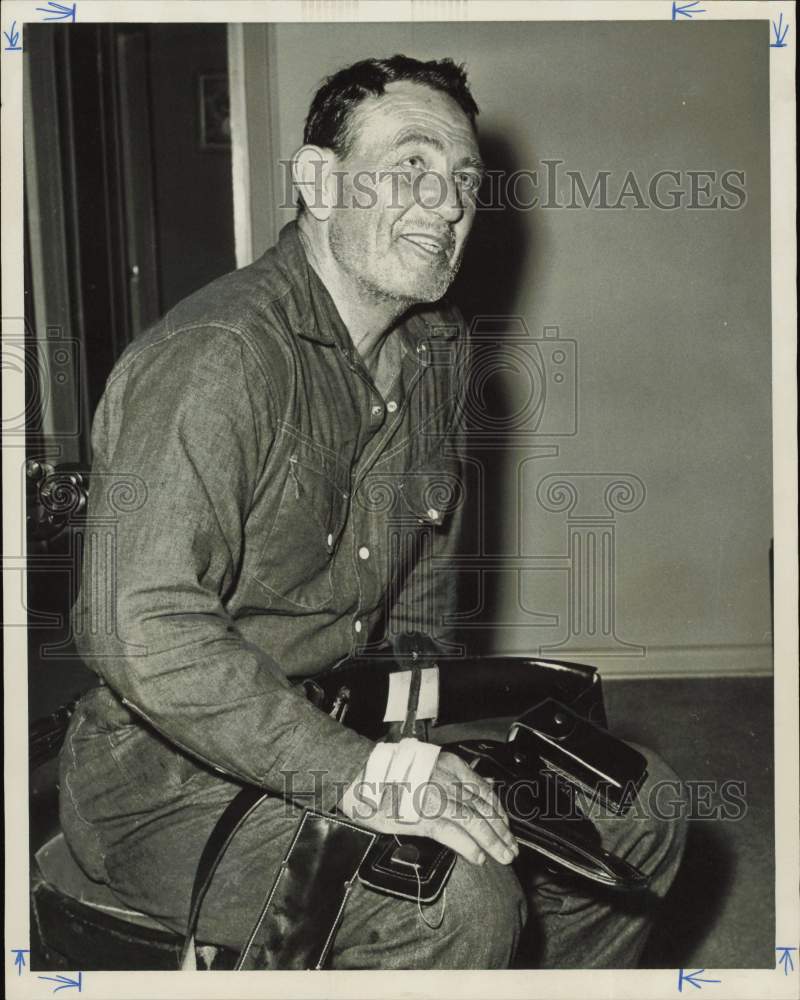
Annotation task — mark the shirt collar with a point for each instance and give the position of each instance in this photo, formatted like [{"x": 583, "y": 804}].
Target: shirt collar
[{"x": 317, "y": 318}]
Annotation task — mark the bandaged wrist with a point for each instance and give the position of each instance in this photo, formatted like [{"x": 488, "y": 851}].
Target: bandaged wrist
[{"x": 408, "y": 766}]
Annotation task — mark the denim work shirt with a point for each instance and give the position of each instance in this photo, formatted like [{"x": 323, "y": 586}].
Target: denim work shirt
[{"x": 259, "y": 511}]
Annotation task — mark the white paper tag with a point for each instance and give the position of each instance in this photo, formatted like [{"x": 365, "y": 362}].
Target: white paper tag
[
  {"x": 429, "y": 694},
  {"x": 399, "y": 685}
]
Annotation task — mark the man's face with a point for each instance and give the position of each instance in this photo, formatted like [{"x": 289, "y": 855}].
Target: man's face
[{"x": 405, "y": 197}]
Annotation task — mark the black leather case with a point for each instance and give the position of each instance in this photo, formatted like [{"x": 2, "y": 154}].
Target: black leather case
[
  {"x": 544, "y": 816},
  {"x": 582, "y": 753},
  {"x": 412, "y": 867}
]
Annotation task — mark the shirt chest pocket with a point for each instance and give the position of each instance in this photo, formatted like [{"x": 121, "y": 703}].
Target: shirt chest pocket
[
  {"x": 432, "y": 492},
  {"x": 425, "y": 495},
  {"x": 295, "y": 562}
]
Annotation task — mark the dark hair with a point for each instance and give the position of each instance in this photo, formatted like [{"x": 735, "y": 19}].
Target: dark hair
[{"x": 329, "y": 121}]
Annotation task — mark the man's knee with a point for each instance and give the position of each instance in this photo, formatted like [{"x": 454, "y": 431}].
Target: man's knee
[
  {"x": 653, "y": 832},
  {"x": 484, "y": 912},
  {"x": 665, "y": 807},
  {"x": 474, "y": 924}
]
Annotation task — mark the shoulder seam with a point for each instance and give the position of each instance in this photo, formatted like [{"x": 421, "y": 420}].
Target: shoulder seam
[{"x": 243, "y": 335}]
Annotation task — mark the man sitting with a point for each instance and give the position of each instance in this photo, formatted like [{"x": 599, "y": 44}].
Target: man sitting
[{"x": 277, "y": 419}]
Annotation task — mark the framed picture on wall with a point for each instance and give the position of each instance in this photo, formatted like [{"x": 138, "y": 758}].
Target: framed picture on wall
[{"x": 215, "y": 112}]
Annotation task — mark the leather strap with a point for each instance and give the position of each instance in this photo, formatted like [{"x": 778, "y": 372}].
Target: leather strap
[
  {"x": 412, "y": 706},
  {"x": 225, "y": 829}
]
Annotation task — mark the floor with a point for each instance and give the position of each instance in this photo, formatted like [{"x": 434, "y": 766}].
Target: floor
[{"x": 720, "y": 911}]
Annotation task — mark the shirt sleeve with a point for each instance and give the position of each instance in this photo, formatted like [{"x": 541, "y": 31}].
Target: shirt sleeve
[{"x": 179, "y": 442}]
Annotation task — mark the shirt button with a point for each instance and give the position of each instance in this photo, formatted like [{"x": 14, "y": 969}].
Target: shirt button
[
  {"x": 357, "y": 625},
  {"x": 377, "y": 410},
  {"x": 330, "y": 540},
  {"x": 363, "y": 552},
  {"x": 391, "y": 406}
]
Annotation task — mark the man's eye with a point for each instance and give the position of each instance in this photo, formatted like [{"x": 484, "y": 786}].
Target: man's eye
[
  {"x": 468, "y": 181},
  {"x": 415, "y": 162}
]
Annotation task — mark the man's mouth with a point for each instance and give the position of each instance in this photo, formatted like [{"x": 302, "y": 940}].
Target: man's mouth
[{"x": 430, "y": 244}]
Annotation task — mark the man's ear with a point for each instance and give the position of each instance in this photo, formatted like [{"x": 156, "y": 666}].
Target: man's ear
[{"x": 312, "y": 176}]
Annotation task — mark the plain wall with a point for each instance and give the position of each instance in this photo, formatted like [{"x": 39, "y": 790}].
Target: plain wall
[{"x": 669, "y": 312}]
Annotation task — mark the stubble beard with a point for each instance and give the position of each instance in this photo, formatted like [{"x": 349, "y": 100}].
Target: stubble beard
[{"x": 429, "y": 288}]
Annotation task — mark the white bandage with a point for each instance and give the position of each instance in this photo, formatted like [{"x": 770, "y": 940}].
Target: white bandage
[
  {"x": 408, "y": 765},
  {"x": 397, "y": 699},
  {"x": 378, "y": 767},
  {"x": 413, "y": 766}
]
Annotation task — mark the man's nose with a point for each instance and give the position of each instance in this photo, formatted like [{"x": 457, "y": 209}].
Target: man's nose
[{"x": 439, "y": 193}]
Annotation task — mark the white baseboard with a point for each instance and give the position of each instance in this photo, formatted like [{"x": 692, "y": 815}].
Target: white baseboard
[{"x": 671, "y": 661}]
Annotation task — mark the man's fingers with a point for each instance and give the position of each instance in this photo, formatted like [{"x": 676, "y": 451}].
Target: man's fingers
[
  {"x": 449, "y": 804},
  {"x": 456, "y": 837},
  {"x": 492, "y": 812},
  {"x": 479, "y": 791},
  {"x": 464, "y": 773},
  {"x": 490, "y": 833}
]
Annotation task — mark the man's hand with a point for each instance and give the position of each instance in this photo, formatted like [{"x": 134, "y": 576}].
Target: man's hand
[{"x": 456, "y": 807}]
